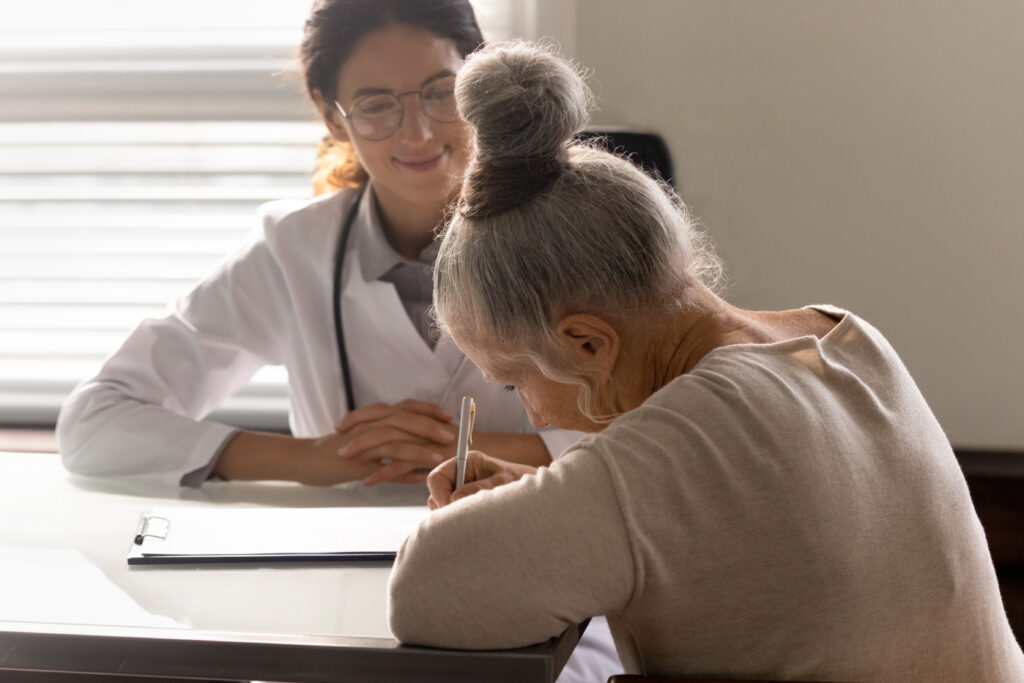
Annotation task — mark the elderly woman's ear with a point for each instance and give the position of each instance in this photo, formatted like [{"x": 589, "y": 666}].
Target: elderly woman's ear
[{"x": 592, "y": 341}]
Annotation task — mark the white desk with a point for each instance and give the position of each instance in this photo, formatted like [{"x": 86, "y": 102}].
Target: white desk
[{"x": 72, "y": 603}]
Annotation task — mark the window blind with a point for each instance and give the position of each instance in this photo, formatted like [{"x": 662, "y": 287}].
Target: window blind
[{"x": 135, "y": 147}]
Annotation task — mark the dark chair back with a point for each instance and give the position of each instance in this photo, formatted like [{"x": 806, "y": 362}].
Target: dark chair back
[{"x": 647, "y": 150}]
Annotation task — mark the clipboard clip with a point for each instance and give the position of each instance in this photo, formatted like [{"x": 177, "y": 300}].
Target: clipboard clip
[{"x": 152, "y": 526}]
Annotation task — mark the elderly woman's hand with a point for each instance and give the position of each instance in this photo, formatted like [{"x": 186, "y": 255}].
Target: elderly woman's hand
[{"x": 482, "y": 472}]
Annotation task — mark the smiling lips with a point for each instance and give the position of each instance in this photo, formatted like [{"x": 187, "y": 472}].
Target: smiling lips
[{"x": 423, "y": 165}]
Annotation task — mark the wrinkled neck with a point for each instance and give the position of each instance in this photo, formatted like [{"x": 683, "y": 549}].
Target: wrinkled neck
[{"x": 670, "y": 343}]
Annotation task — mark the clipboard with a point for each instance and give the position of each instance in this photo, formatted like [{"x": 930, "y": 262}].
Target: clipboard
[{"x": 270, "y": 535}]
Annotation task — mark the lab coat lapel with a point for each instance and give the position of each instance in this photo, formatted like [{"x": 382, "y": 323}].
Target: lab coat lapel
[{"x": 388, "y": 359}]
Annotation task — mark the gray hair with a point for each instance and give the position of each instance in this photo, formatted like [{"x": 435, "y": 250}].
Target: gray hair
[{"x": 547, "y": 226}]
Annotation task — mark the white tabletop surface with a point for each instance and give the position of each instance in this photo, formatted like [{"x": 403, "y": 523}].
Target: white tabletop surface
[{"x": 64, "y": 542}]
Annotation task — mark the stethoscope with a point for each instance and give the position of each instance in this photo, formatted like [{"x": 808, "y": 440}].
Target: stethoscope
[{"x": 339, "y": 333}]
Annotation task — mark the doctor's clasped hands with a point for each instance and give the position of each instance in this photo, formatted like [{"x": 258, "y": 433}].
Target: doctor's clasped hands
[
  {"x": 404, "y": 440},
  {"x": 377, "y": 443}
]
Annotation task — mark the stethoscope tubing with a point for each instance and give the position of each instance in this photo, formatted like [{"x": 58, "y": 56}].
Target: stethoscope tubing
[{"x": 339, "y": 332}]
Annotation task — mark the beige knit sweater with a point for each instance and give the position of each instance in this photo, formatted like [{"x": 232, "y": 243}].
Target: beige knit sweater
[{"x": 788, "y": 510}]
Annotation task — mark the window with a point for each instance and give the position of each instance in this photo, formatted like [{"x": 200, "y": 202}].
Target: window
[{"x": 135, "y": 146}]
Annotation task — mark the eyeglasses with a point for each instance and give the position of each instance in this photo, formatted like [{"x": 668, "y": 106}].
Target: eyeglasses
[{"x": 379, "y": 116}]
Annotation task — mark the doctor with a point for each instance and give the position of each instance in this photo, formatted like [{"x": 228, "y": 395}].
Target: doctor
[
  {"x": 335, "y": 289},
  {"x": 360, "y": 257}
]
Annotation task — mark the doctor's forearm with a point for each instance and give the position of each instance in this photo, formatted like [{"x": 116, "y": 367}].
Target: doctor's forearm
[{"x": 263, "y": 456}]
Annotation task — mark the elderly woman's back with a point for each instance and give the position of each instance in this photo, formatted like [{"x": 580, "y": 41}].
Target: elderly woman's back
[{"x": 790, "y": 510}]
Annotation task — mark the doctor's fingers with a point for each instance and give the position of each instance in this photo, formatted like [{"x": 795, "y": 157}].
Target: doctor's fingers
[
  {"x": 415, "y": 424},
  {"x": 377, "y": 411},
  {"x": 396, "y": 472},
  {"x": 425, "y": 408},
  {"x": 415, "y": 453},
  {"x": 370, "y": 413},
  {"x": 402, "y": 427}
]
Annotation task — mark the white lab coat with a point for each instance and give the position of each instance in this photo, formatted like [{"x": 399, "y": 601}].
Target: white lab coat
[{"x": 268, "y": 304}]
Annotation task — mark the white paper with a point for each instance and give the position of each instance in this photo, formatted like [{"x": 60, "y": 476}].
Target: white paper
[{"x": 279, "y": 531}]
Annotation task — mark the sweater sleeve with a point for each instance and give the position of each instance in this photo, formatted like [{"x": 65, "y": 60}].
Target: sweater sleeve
[
  {"x": 140, "y": 415},
  {"x": 516, "y": 565}
]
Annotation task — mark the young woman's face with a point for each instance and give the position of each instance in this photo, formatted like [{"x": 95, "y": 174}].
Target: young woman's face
[{"x": 423, "y": 161}]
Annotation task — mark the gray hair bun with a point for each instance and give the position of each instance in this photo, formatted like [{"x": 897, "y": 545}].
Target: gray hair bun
[{"x": 526, "y": 104}]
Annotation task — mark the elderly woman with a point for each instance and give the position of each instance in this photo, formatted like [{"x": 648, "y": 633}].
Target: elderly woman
[{"x": 765, "y": 493}]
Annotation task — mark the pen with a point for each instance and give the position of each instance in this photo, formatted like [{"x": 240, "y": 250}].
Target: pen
[{"x": 467, "y": 415}]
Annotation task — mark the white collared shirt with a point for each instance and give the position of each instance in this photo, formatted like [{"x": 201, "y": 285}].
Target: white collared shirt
[{"x": 412, "y": 279}]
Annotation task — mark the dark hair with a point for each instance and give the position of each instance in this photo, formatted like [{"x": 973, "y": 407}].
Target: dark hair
[
  {"x": 331, "y": 33},
  {"x": 335, "y": 27}
]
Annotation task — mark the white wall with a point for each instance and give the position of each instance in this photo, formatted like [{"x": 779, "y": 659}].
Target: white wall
[{"x": 865, "y": 153}]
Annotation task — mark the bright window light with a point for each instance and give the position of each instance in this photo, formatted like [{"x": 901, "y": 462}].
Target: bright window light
[{"x": 136, "y": 143}]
